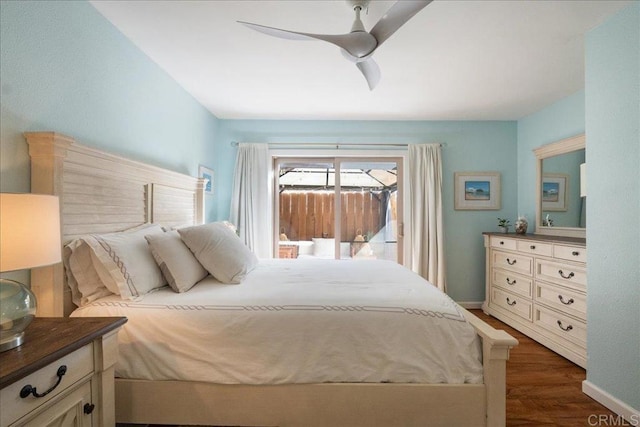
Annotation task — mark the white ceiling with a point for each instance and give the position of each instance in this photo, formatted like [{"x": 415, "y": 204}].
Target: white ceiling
[{"x": 455, "y": 60}]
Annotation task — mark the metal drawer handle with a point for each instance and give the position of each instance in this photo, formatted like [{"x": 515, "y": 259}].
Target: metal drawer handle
[
  {"x": 565, "y": 302},
  {"x": 575, "y": 253},
  {"x": 88, "y": 408},
  {"x": 511, "y": 282},
  {"x": 569, "y": 276},
  {"x": 509, "y": 301},
  {"x": 532, "y": 247},
  {"x": 567, "y": 329},
  {"x": 502, "y": 243},
  {"x": 28, "y": 389},
  {"x": 511, "y": 262}
]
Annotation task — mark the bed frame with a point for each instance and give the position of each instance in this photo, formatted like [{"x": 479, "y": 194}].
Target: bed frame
[{"x": 101, "y": 193}]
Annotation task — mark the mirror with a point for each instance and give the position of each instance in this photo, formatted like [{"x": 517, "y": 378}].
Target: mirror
[{"x": 560, "y": 190}]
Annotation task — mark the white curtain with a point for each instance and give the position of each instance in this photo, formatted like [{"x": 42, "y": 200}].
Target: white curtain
[
  {"x": 250, "y": 198},
  {"x": 425, "y": 187}
]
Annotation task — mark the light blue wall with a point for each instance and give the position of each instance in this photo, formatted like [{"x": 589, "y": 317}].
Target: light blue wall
[
  {"x": 613, "y": 159},
  {"x": 65, "y": 68},
  {"x": 470, "y": 146},
  {"x": 560, "y": 120}
]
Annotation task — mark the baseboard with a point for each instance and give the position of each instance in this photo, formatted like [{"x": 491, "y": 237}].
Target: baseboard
[
  {"x": 470, "y": 305},
  {"x": 631, "y": 415}
]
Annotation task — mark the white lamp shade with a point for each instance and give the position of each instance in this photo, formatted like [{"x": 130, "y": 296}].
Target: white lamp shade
[
  {"x": 29, "y": 231},
  {"x": 583, "y": 180}
]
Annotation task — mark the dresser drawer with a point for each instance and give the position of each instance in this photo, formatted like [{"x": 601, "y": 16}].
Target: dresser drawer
[
  {"x": 513, "y": 282},
  {"x": 68, "y": 411},
  {"x": 503, "y": 243},
  {"x": 535, "y": 248},
  {"x": 513, "y": 262},
  {"x": 565, "y": 327},
  {"x": 562, "y": 299},
  {"x": 79, "y": 365},
  {"x": 570, "y": 253},
  {"x": 512, "y": 303},
  {"x": 563, "y": 274}
]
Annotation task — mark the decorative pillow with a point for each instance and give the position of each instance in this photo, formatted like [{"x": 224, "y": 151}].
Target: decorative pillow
[
  {"x": 88, "y": 266},
  {"x": 323, "y": 247},
  {"x": 177, "y": 263},
  {"x": 220, "y": 251},
  {"x": 82, "y": 277},
  {"x": 125, "y": 261}
]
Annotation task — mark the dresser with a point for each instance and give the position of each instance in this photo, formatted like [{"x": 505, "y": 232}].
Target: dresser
[
  {"x": 538, "y": 285},
  {"x": 63, "y": 374}
]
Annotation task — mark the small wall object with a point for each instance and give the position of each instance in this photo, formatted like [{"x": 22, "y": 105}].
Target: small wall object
[
  {"x": 521, "y": 225},
  {"x": 206, "y": 173}
]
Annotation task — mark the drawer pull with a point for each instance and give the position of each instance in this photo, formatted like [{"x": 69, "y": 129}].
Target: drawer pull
[
  {"x": 511, "y": 282},
  {"x": 29, "y": 389},
  {"x": 511, "y": 262},
  {"x": 571, "y": 301},
  {"x": 501, "y": 242},
  {"x": 575, "y": 253},
  {"x": 88, "y": 408},
  {"x": 567, "y": 329},
  {"x": 511, "y": 302},
  {"x": 532, "y": 247},
  {"x": 569, "y": 276}
]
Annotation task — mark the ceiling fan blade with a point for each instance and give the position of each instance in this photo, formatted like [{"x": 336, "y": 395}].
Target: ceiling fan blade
[
  {"x": 277, "y": 32},
  {"x": 396, "y": 17},
  {"x": 370, "y": 71},
  {"x": 358, "y": 44}
]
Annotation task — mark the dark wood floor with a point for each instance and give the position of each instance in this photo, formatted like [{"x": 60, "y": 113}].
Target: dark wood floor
[{"x": 543, "y": 388}]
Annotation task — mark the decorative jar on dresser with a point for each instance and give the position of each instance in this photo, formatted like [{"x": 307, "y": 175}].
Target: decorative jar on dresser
[
  {"x": 538, "y": 285},
  {"x": 63, "y": 374}
]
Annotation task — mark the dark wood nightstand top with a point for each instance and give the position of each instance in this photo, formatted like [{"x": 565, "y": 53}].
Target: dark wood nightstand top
[{"x": 49, "y": 338}]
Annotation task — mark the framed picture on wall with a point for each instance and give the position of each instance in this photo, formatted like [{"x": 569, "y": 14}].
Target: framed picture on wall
[
  {"x": 554, "y": 191},
  {"x": 477, "y": 190},
  {"x": 206, "y": 173}
]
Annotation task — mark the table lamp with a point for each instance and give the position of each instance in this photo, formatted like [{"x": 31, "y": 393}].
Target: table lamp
[{"x": 29, "y": 237}]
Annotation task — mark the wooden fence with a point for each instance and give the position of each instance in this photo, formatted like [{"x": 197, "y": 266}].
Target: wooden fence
[{"x": 304, "y": 215}]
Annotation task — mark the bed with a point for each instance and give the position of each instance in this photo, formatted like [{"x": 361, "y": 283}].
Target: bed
[{"x": 103, "y": 193}]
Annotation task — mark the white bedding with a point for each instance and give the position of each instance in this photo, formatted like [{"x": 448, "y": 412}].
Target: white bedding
[{"x": 298, "y": 321}]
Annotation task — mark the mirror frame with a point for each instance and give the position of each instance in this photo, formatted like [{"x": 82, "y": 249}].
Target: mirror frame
[{"x": 563, "y": 146}]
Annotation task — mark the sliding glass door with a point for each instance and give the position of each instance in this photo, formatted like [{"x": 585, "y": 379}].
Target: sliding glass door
[{"x": 342, "y": 208}]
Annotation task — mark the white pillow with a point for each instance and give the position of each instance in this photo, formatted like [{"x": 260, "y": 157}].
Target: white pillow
[
  {"x": 127, "y": 261},
  {"x": 82, "y": 277},
  {"x": 177, "y": 263},
  {"x": 323, "y": 247},
  {"x": 220, "y": 251}
]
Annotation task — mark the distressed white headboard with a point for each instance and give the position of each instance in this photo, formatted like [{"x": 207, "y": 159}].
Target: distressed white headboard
[{"x": 101, "y": 193}]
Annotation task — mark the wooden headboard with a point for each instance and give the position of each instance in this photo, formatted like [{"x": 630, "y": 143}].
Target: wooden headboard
[{"x": 102, "y": 193}]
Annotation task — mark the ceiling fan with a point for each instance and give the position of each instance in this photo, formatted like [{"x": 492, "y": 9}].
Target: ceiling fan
[{"x": 358, "y": 45}]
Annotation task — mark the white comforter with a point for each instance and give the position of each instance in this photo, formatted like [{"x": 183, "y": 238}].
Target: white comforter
[{"x": 298, "y": 321}]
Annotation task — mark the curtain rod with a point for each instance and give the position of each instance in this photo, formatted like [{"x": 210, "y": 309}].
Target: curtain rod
[{"x": 337, "y": 146}]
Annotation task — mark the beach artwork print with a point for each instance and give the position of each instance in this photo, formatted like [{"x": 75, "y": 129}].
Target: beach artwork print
[
  {"x": 550, "y": 191},
  {"x": 477, "y": 190}
]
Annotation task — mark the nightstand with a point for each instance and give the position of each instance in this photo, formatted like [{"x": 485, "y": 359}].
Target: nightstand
[{"x": 63, "y": 374}]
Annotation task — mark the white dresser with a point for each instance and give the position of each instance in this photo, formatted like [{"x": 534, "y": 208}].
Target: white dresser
[{"x": 538, "y": 285}]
